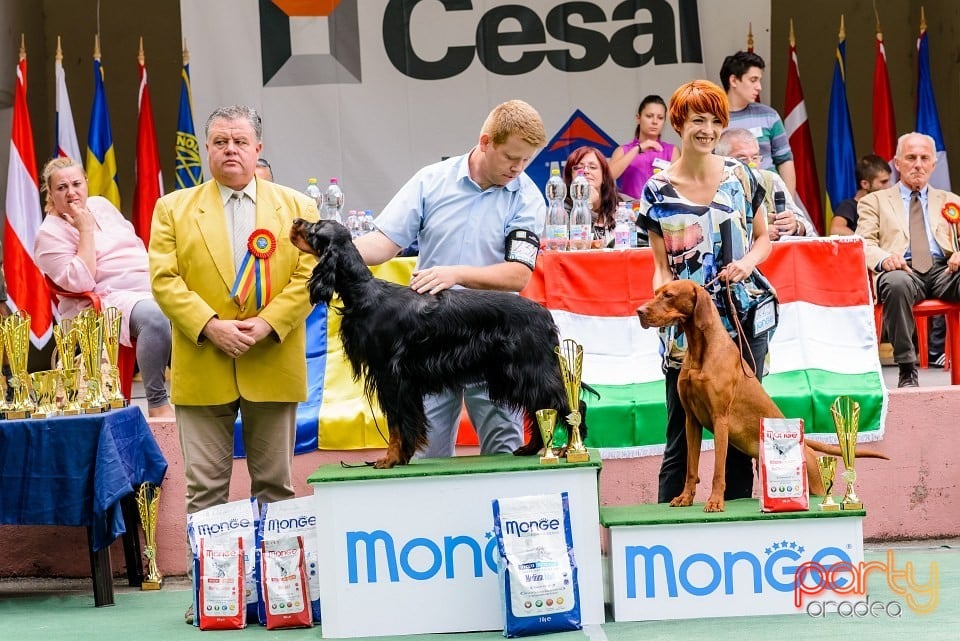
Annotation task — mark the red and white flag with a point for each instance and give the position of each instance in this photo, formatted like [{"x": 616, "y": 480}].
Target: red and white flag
[
  {"x": 26, "y": 288},
  {"x": 66, "y": 133},
  {"x": 884, "y": 124},
  {"x": 798, "y": 132},
  {"x": 149, "y": 185}
]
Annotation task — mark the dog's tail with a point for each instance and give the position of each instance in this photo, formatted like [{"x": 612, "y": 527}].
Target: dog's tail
[{"x": 834, "y": 450}]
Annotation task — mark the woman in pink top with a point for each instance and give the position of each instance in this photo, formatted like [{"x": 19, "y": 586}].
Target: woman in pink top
[
  {"x": 85, "y": 244},
  {"x": 632, "y": 163}
]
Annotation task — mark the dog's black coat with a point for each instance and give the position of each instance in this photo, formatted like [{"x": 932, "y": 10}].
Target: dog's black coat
[{"x": 408, "y": 344}]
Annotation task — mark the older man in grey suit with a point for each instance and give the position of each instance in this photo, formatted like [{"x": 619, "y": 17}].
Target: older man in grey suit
[{"x": 910, "y": 246}]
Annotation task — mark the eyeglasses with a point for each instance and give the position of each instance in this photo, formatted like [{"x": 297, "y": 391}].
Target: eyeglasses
[
  {"x": 262, "y": 162},
  {"x": 750, "y": 160},
  {"x": 590, "y": 167}
]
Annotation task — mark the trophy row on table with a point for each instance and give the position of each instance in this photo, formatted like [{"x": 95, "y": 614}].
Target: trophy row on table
[{"x": 86, "y": 388}]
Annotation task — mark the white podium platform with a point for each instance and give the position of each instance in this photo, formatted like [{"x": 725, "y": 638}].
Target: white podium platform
[
  {"x": 682, "y": 563},
  {"x": 412, "y": 550}
]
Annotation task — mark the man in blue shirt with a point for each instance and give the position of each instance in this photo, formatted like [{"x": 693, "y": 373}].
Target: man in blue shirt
[{"x": 477, "y": 219}]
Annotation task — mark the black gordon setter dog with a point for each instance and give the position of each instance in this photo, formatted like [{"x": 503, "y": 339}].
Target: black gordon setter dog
[{"x": 408, "y": 344}]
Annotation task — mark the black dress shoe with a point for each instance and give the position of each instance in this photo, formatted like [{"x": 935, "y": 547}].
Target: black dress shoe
[{"x": 908, "y": 376}]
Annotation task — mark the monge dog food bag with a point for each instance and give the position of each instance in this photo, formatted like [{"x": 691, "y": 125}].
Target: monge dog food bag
[
  {"x": 538, "y": 572},
  {"x": 293, "y": 517},
  {"x": 783, "y": 468},
  {"x": 230, "y": 520},
  {"x": 221, "y": 593},
  {"x": 283, "y": 575}
]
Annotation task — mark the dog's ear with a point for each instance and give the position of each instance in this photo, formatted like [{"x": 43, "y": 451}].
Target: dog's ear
[
  {"x": 324, "y": 279},
  {"x": 703, "y": 309}
]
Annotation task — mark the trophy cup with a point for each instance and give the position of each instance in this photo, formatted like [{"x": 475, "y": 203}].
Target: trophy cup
[
  {"x": 4, "y": 406},
  {"x": 846, "y": 418},
  {"x": 546, "y": 422},
  {"x": 90, "y": 337},
  {"x": 570, "y": 355},
  {"x": 16, "y": 336},
  {"x": 65, "y": 336},
  {"x": 111, "y": 319},
  {"x": 828, "y": 470},
  {"x": 45, "y": 393},
  {"x": 70, "y": 377},
  {"x": 148, "y": 504}
]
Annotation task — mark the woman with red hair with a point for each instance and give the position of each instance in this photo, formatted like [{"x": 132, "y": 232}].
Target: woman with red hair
[{"x": 706, "y": 222}]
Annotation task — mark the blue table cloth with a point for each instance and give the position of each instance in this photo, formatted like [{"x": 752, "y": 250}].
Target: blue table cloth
[{"x": 73, "y": 470}]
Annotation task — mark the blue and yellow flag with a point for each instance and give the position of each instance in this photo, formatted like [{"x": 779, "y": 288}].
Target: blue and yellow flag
[
  {"x": 101, "y": 161},
  {"x": 841, "y": 157},
  {"x": 189, "y": 172}
]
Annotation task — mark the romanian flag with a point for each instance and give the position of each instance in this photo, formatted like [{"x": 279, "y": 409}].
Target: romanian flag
[
  {"x": 26, "y": 287},
  {"x": 884, "y": 123},
  {"x": 189, "y": 172},
  {"x": 841, "y": 157},
  {"x": 928, "y": 121},
  {"x": 101, "y": 161},
  {"x": 821, "y": 283},
  {"x": 65, "y": 132},
  {"x": 798, "y": 132},
  {"x": 149, "y": 186}
]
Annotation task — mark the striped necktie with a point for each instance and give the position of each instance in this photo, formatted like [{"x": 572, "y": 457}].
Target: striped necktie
[{"x": 920, "y": 258}]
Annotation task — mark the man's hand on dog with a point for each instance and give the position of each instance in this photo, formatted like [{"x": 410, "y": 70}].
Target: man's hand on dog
[
  {"x": 433, "y": 280},
  {"x": 234, "y": 337}
]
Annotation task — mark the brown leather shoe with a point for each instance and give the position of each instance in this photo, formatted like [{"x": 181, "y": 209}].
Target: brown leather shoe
[{"x": 908, "y": 376}]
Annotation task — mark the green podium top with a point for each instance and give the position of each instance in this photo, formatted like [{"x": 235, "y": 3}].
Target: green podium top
[
  {"x": 738, "y": 510},
  {"x": 489, "y": 464}
]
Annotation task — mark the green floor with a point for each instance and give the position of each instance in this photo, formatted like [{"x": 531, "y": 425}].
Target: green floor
[{"x": 51, "y": 615}]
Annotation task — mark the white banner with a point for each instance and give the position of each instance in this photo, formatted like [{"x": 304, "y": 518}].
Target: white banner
[{"x": 377, "y": 89}]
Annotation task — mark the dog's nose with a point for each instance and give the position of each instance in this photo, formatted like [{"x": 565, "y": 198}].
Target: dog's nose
[{"x": 642, "y": 315}]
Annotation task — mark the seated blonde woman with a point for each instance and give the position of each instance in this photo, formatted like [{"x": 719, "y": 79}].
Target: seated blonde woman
[{"x": 85, "y": 244}]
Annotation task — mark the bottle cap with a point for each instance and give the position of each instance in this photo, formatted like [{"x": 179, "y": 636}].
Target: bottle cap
[
  {"x": 311, "y": 181},
  {"x": 333, "y": 181}
]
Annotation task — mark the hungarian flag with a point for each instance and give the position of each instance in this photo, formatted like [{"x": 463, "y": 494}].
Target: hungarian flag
[
  {"x": 884, "y": 124},
  {"x": 149, "y": 185},
  {"x": 65, "y": 133},
  {"x": 798, "y": 131},
  {"x": 26, "y": 287}
]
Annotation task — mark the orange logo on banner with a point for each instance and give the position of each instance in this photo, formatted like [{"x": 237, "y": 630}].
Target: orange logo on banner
[{"x": 304, "y": 8}]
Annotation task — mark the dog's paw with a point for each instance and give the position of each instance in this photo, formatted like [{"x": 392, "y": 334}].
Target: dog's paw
[
  {"x": 684, "y": 500},
  {"x": 387, "y": 462},
  {"x": 714, "y": 504}
]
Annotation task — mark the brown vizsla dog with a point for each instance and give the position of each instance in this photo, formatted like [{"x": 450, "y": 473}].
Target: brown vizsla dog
[{"x": 718, "y": 390}]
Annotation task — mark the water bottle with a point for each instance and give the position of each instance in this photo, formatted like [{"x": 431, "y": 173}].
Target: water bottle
[
  {"x": 368, "y": 224},
  {"x": 313, "y": 190},
  {"x": 581, "y": 220},
  {"x": 332, "y": 202},
  {"x": 621, "y": 233},
  {"x": 352, "y": 223},
  {"x": 557, "y": 234}
]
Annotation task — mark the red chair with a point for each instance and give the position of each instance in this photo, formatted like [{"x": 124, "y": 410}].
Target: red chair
[
  {"x": 932, "y": 307},
  {"x": 126, "y": 357}
]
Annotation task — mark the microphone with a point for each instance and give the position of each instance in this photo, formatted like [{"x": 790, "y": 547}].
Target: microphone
[{"x": 779, "y": 201}]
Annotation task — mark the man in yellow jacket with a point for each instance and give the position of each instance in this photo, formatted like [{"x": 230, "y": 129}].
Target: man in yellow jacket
[{"x": 238, "y": 341}]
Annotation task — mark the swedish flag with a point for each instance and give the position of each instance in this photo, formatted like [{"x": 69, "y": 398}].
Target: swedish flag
[
  {"x": 189, "y": 172},
  {"x": 101, "y": 161}
]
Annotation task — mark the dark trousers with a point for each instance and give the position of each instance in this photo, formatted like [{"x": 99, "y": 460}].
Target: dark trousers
[
  {"x": 673, "y": 470},
  {"x": 899, "y": 290}
]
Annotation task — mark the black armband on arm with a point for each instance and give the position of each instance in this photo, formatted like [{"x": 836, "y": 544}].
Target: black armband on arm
[{"x": 522, "y": 247}]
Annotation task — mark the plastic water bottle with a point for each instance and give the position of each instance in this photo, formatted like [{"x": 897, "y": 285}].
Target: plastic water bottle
[
  {"x": 352, "y": 223},
  {"x": 313, "y": 190},
  {"x": 621, "y": 233},
  {"x": 557, "y": 233},
  {"x": 368, "y": 224},
  {"x": 581, "y": 220},
  {"x": 332, "y": 202}
]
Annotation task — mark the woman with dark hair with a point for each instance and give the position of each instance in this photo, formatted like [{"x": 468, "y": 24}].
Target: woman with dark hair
[
  {"x": 632, "y": 164},
  {"x": 707, "y": 223},
  {"x": 603, "y": 191}
]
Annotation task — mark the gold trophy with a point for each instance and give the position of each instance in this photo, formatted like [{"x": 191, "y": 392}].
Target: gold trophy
[
  {"x": 846, "y": 418},
  {"x": 16, "y": 337},
  {"x": 828, "y": 471},
  {"x": 90, "y": 337},
  {"x": 546, "y": 422},
  {"x": 70, "y": 377},
  {"x": 65, "y": 335},
  {"x": 570, "y": 355},
  {"x": 4, "y": 406},
  {"x": 111, "y": 320},
  {"x": 45, "y": 393},
  {"x": 148, "y": 504}
]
